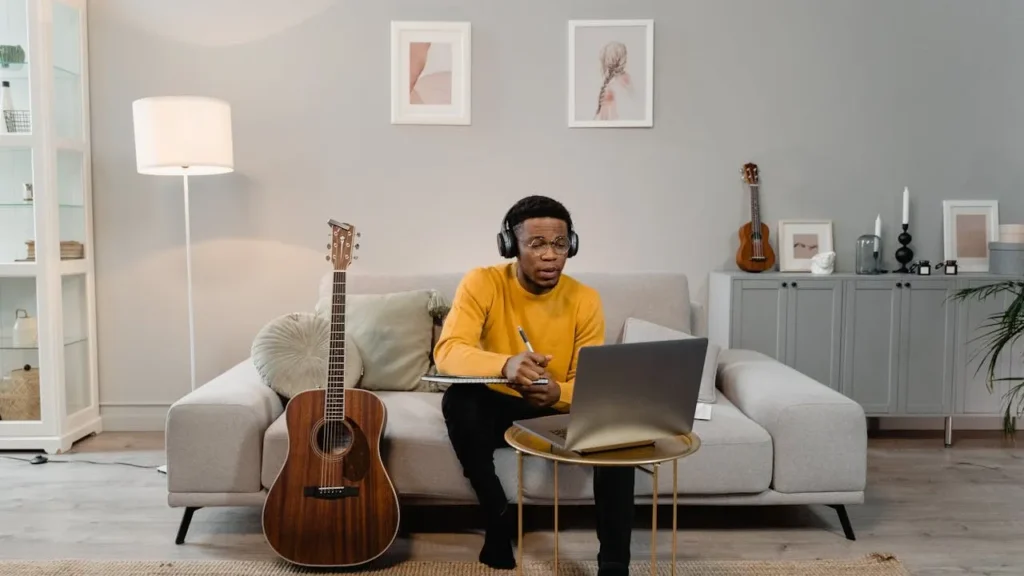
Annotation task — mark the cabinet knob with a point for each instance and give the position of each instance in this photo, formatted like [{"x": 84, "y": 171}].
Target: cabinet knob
[
  {"x": 794, "y": 284},
  {"x": 899, "y": 284},
  {"x": 785, "y": 284},
  {"x": 907, "y": 285}
]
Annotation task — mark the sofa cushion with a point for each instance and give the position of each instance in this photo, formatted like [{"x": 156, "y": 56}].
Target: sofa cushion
[
  {"x": 290, "y": 353},
  {"x": 393, "y": 333},
  {"x": 662, "y": 297},
  {"x": 419, "y": 458},
  {"x": 735, "y": 457},
  {"x": 637, "y": 330}
]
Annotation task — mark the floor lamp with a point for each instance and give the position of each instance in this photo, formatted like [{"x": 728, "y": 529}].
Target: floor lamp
[{"x": 183, "y": 136}]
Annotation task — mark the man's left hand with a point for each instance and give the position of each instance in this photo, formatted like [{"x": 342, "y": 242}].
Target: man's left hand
[{"x": 542, "y": 395}]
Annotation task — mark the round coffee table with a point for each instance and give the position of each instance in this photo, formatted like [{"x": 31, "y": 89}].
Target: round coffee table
[{"x": 669, "y": 449}]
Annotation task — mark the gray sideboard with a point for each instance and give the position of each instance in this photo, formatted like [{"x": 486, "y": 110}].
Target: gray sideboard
[{"x": 895, "y": 343}]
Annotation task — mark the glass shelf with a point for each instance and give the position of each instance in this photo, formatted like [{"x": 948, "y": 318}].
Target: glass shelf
[
  {"x": 30, "y": 205},
  {"x": 7, "y": 344}
]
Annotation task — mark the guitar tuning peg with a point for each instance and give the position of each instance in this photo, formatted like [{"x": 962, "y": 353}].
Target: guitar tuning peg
[
  {"x": 359, "y": 234},
  {"x": 357, "y": 246},
  {"x": 328, "y": 258}
]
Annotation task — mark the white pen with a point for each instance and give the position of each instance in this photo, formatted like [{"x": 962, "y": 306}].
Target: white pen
[{"x": 522, "y": 335}]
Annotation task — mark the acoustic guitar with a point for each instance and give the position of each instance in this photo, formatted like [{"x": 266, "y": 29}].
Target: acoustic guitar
[
  {"x": 755, "y": 253},
  {"x": 333, "y": 503}
]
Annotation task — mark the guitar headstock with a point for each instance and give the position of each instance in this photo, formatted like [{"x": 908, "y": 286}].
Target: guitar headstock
[
  {"x": 750, "y": 173},
  {"x": 341, "y": 247}
]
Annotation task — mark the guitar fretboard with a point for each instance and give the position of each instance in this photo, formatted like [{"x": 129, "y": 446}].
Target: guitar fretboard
[
  {"x": 335, "y": 408},
  {"x": 755, "y": 217}
]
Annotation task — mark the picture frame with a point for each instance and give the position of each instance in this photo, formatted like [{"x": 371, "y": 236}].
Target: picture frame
[
  {"x": 800, "y": 240},
  {"x": 431, "y": 73},
  {"x": 611, "y": 73},
  {"x": 967, "y": 228}
]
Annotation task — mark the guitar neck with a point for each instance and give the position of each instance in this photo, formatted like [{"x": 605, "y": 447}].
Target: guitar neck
[
  {"x": 335, "y": 408},
  {"x": 755, "y": 207}
]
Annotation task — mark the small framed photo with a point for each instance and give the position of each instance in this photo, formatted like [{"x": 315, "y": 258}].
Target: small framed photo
[
  {"x": 430, "y": 73},
  {"x": 611, "y": 73},
  {"x": 967, "y": 228},
  {"x": 801, "y": 240}
]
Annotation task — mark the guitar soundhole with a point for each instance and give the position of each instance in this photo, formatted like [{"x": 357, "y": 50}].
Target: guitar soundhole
[{"x": 333, "y": 439}]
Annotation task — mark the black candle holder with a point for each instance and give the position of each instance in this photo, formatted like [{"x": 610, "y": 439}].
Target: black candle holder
[{"x": 904, "y": 254}]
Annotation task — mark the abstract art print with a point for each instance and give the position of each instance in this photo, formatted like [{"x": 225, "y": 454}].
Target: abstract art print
[
  {"x": 430, "y": 73},
  {"x": 611, "y": 73},
  {"x": 967, "y": 228},
  {"x": 801, "y": 240}
]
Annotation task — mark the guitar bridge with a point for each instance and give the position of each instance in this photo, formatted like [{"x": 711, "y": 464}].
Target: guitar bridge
[{"x": 330, "y": 492}]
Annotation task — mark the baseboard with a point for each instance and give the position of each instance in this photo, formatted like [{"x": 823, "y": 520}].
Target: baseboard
[
  {"x": 959, "y": 423},
  {"x": 128, "y": 417}
]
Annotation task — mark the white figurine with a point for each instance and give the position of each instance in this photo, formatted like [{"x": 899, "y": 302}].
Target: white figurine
[{"x": 823, "y": 263}]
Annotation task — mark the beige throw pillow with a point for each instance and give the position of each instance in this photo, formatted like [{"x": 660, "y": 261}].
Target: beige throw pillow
[
  {"x": 394, "y": 333},
  {"x": 290, "y": 353},
  {"x": 637, "y": 330}
]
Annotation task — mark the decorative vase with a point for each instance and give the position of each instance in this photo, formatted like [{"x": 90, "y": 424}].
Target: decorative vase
[
  {"x": 25, "y": 333},
  {"x": 868, "y": 254}
]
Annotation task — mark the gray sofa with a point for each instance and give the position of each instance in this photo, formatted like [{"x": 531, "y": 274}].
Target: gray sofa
[{"x": 775, "y": 436}]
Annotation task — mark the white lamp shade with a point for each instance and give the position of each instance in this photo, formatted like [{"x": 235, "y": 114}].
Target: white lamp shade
[{"x": 177, "y": 135}]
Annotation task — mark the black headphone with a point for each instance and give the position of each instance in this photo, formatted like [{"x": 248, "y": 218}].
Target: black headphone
[{"x": 508, "y": 246}]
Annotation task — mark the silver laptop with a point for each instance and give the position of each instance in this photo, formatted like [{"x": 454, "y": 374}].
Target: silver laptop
[{"x": 628, "y": 395}]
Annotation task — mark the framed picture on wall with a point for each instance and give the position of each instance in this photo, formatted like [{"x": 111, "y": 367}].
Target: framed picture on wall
[
  {"x": 611, "y": 73},
  {"x": 967, "y": 228},
  {"x": 430, "y": 73},
  {"x": 801, "y": 240}
]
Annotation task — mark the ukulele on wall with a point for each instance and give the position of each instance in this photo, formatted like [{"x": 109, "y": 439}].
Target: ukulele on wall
[
  {"x": 755, "y": 253},
  {"x": 333, "y": 503}
]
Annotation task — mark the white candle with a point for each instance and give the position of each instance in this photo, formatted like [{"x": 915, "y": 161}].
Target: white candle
[
  {"x": 906, "y": 205},
  {"x": 878, "y": 230}
]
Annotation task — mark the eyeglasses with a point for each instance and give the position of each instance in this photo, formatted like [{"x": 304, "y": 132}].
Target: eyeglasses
[{"x": 539, "y": 246}]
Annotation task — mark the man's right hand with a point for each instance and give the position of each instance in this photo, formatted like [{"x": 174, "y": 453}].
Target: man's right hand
[{"x": 524, "y": 368}]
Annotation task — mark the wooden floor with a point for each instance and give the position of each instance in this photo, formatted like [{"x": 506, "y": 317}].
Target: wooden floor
[{"x": 943, "y": 511}]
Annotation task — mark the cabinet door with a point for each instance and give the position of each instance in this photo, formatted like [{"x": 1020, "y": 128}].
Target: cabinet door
[
  {"x": 971, "y": 388},
  {"x": 814, "y": 311},
  {"x": 871, "y": 328},
  {"x": 926, "y": 347},
  {"x": 758, "y": 316}
]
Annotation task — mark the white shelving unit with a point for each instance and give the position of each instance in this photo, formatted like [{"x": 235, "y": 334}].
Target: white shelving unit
[{"x": 49, "y": 149}]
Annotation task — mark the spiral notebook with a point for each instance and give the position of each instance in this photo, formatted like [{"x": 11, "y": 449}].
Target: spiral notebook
[{"x": 444, "y": 379}]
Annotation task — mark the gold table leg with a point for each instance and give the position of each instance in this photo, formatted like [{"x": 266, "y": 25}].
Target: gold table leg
[
  {"x": 654, "y": 525},
  {"x": 556, "y": 517},
  {"x": 675, "y": 507},
  {"x": 519, "y": 469}
]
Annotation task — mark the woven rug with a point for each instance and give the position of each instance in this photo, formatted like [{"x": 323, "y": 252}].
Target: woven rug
[{"x": 873, "y": 565}]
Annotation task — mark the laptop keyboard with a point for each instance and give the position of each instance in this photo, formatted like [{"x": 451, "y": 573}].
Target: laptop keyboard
[{"x": 560, "y": 432}]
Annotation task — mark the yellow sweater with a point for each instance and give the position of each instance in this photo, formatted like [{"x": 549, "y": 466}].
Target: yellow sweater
[{"x": 481, "y": 330}]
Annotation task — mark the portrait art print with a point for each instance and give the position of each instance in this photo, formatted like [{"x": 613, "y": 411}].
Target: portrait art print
[
  {"x": 431, "y": 73},
  {"x": 801, "y": 240},
  {"x": 611, "y": 73},
  {"x": 967, "y": 228}
]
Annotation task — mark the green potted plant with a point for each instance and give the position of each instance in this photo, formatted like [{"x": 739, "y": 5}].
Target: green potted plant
[{"x": 998, "y": 334}]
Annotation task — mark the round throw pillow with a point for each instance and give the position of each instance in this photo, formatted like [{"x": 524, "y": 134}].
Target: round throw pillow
[{"x": 290, "y": 354}]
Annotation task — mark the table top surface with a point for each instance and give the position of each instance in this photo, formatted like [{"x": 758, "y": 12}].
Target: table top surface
[{"x": 663, "y": 450}]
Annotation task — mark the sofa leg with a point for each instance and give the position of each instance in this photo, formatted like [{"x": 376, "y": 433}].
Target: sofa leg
[
  {"x": 186, "y": 519},
  {"x": 844, "y": 520}
]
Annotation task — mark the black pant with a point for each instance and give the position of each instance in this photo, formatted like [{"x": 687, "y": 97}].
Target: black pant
[{"x": 477, "y": 418}]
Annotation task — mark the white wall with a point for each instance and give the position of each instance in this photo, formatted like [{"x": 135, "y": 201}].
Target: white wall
[{"x": 841, "y": 104}]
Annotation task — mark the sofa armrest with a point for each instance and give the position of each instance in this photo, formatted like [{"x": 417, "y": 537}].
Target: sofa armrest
[
  {"x": 214, "y": 434},
  {"x": 819, "y": 436}
]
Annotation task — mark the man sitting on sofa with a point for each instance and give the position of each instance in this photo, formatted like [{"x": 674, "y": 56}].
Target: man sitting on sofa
[{"x": 481, "y": 338}]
